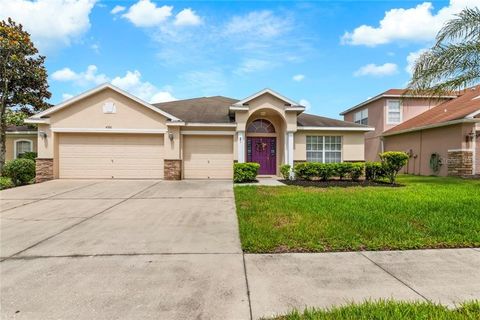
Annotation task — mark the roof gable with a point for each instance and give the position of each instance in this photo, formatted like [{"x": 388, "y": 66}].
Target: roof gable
[
  {"x": 267, "y": 91},
  {"x": 91, "y": 92}
]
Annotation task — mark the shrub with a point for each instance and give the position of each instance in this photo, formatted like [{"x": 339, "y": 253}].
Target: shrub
[
  {"x": 305, "y": 170},
  {"x": 28, "y": 155},
  {"x": 374, "y": 171},
  {"x": 20, "y": 171},
  {"x": 6, "y": 183},
  {"x": 356, "y": 170},
  {"x": 392, "y": 162},
  {"x": 245, "y": 172},
  {"x": 343, "y": 169},
  {"x": 325, "y": 170},
  {"x": 285, "y": 171}
]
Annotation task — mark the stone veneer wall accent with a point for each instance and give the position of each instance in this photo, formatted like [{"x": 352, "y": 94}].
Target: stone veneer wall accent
[
  {"x": 172, "y": 169},
  {"x": 460, "y": 162},
  {"x": 43, "y": 169}
]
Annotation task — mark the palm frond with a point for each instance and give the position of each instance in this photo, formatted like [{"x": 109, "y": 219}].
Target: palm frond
[{"x": 465, "y": 26}]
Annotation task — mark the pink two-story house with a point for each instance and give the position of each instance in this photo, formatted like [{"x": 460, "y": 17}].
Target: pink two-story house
[{"x": 445, "y": 127}]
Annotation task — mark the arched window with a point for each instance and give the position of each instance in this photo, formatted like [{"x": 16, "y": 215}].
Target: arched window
[
  {"x": 261, "y": 126},
  {"x": 22, "y": 146}
]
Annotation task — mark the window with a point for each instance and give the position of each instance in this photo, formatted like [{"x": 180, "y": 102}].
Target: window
[
  {"x": 22, "y": 146},
  {"x": 361, "y": 117},
  {"x": 261, "y": 126},
  {"x": 394, "y": 112},
  {"x": 324, "y": 149}
]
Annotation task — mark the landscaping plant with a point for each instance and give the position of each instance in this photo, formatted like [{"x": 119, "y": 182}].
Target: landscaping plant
[
  {"x": 28, "y": 155},
  {"x": 342, "y": 169},
  {"x": 245, "y": 172},
  {"x": 285, "y": 171},
  {"x": 356, "y": 170},
  {"x": 374, "y": 171},
  {"x": 6, "y": 183},
  {"x": 392, "y": 163},
  {"x": 20, "y": 171}
]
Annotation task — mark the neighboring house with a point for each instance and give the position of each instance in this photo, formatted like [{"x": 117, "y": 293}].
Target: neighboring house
[
  {"x": 448, "y": 131},
  {"x": 109, "y": 133},
  {"x": 384, "y": 112},
  {"x": 20, "y": 139}
]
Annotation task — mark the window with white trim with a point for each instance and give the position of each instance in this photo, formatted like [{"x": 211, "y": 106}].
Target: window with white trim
[
  {"x": 22, "y": 146},
  {"x": 361, "y": 117},
  {"x": 325, "y": 149},
  {"x": 394, "y": 112}
]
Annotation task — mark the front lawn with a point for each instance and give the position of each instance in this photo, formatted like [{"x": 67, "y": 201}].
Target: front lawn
[
  {"x": 428, "y": 212},
  {"x": 390, "y": 310}
]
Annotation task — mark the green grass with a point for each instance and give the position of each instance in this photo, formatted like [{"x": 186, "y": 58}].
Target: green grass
[
  {"x": 390, "y": 310},
  {"x": 428, "y": 212}
]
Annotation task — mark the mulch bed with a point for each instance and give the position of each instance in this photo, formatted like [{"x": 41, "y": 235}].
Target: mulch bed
[{"x": 339, "y": 183}]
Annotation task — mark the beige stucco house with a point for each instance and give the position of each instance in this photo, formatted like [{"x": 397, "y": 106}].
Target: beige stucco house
[
  {"x": 20, "y": 139},
  {"x": 109, "y": 133},
  {"x": 447, "y": 127}
]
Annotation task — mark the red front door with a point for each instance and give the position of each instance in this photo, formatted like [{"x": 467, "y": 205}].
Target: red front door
[{"x": 264, "y": 152}]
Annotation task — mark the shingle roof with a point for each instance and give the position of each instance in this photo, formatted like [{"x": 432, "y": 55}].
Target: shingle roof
[
  {"x": 458, "y": 108},
  {"x": 20, "y": 129},
  {"x": 204, "y": 110},
  {"x": 216, "y": 110},
  {"x": 311, "y": 120}
]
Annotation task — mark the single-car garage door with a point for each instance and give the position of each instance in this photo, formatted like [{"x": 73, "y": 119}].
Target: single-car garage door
[
  {"x": 121, "y": 156},
  {"x": 207, "y": 157}
]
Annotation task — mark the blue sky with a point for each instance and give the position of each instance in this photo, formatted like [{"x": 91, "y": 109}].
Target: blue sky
[{"x": 328, "y": 55}]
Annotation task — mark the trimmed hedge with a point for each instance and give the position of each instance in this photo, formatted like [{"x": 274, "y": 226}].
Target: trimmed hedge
[
  {"x": 285, "y": 171},
  {"x": 20, "y": 171},
  {"x": 393, "y": 162},
  {"x": 6, "y": 183},
  {"x": 325, "y": 171},
  {"x": 28, "y": 155},
  {"x": 245, "y": 172},
  {"x": 374, "y": 171}
]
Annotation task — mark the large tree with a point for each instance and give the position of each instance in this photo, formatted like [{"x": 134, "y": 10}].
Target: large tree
[
  {"x": 23, "y": 77},
  {"x": 453, "y": 63}
]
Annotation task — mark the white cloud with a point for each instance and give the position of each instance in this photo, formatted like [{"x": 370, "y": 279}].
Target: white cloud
[
  {"x": 253, "y": 65},
  {"x": 417, "y": 24},
  {"x": 298, "y": 77},
  {"x": 132, "y": 83},
  {"x": 145, "y": 13},
  {"x": 52, "y": 23},
  {"x": 305, "y": 103},
  {"x": 67, "y": 96},
  {"x": 262, "y": 24},
  {"x": 84, "y": 78},
  {"x": 207, "y": 83},
  {"x": 412, "y": 58},
  {"x": 371, "y": 69},
  {"x": 117, "y": 9},
  {"x": 187, "y": 17}
]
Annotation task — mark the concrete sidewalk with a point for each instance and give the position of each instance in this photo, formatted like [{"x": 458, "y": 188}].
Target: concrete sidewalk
[{"x": 281, "y": 282}]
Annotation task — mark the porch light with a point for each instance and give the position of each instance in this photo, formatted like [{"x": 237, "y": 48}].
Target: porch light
[{"x": 170, "y": 136}]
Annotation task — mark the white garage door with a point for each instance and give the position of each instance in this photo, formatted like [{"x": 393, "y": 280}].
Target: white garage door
[
  {"x": 477, "y": 159},
  {"x": 207, "y": 157},
  {"x": 121, "y": 156}
]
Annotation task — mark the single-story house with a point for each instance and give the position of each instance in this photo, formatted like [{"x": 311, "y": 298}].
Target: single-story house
[
  {"x": 448, "y": 134},
  {"x": 20, "y": 139},
  {"x": 109, "y": 133}
]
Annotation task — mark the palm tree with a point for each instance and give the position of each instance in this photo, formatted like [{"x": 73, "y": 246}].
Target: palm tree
[{"x": 453, "y": 63}]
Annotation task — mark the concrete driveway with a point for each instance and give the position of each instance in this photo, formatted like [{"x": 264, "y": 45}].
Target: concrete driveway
[{"x": 121, "y": 249}]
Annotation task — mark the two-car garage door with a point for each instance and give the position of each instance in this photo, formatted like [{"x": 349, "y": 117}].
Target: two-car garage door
[
  {"x": 141, "y": 156},
  {"x": 101, "y": 156}
]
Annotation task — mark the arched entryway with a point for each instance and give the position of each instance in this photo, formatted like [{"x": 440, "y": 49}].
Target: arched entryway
[{"x": 262, "y": 145}]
